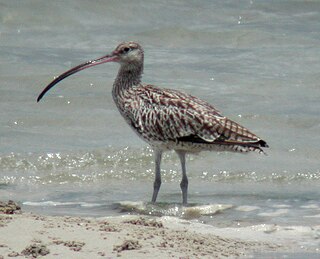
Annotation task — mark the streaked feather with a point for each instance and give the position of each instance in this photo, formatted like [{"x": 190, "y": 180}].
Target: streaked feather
[{"x": 165, "y": 115}]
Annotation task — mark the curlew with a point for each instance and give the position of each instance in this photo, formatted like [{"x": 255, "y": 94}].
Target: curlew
[{"x": 167, "y": 119}]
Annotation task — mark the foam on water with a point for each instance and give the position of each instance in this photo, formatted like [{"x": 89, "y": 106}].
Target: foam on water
[
  {"x": 192, "y": 211},
  {"x": 64, "y": 204}
]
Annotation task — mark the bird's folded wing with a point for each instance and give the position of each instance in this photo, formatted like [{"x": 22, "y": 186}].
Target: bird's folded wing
[{"x": 169, "y": 115}]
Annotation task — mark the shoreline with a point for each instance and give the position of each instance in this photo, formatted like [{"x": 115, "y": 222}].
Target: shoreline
[
  {"x": 28, "y": 234},
  {"x": 31, "y": 235}
]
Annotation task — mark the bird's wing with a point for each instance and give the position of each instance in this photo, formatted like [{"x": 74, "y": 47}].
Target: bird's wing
[{"x": 166, "y": 115}]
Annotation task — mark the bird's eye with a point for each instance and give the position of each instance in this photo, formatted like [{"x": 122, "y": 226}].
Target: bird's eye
[{"x": 126, "y": 50}]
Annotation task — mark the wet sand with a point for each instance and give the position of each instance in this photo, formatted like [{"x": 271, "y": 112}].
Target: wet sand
[{"x": 31, "y": 235}]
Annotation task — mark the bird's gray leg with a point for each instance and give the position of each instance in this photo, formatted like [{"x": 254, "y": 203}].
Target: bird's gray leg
[
  {"x": 184, "y": 181},
  {"x": 157, "y": 180}
]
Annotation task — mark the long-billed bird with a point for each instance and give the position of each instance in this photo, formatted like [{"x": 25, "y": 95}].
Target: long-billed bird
[{"x": 167, "y": 119}]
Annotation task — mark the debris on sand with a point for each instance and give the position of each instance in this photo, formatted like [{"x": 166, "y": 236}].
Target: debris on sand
[
  {"x": 145, "y": 222},
  {"x": 9, "y": 207},
  {"x": 73, "y": 245},
  {"x": 127, "y": 245},
  {"x": 35, "y": 250}
]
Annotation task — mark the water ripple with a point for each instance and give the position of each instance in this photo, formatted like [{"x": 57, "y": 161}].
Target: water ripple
[{"x": 126, "y": 163}]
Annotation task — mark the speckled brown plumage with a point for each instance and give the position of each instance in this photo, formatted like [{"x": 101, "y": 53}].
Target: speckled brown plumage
[{"x": 168, "y": 119}]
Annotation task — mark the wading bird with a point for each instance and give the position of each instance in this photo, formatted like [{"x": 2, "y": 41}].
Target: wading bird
[{"x": 167, "y": 119}]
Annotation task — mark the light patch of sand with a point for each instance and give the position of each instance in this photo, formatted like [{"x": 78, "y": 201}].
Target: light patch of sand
[{"x": 125, "y": 236}]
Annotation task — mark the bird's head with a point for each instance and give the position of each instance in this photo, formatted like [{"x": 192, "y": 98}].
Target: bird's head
[{"x": 128, "y": 53}]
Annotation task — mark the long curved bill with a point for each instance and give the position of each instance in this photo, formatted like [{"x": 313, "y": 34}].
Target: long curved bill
[{"x": 90, "y": 63}]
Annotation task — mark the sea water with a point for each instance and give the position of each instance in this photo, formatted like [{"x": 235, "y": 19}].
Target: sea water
[{"x": 258, "y": 62}]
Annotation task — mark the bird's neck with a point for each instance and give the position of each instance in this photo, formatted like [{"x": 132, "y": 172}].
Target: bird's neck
[{"x": 129, "y": 75}]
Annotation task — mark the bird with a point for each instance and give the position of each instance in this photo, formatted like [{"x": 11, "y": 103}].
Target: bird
[{"x": 167, "y": 119}]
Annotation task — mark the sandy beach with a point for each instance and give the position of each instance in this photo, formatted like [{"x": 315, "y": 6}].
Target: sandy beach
[
  {"x": 30, "y": 235},
  {"x": 129, "y": 237},
  {"x": 25, "y": 234}
]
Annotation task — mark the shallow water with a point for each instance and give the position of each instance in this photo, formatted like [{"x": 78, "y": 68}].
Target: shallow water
[{"x": 72, "y": 153}]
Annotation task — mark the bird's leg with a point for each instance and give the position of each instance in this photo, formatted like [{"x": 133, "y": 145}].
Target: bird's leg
[
  {"x": 184, "y": 181},
  {"x": 157, "y": 180}
]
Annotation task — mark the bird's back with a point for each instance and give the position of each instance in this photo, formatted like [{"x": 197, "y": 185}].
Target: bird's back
[{"x": 170, "y": 119}]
